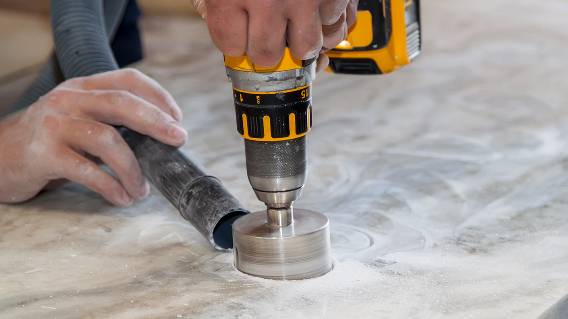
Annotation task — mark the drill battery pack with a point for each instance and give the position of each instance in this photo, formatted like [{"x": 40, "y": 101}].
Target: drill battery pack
[{"x": 386, "y": 36}]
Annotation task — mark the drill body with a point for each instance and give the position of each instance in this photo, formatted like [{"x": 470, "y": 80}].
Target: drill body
[
  {"x": 273, "y": 105},
  {"x": 274, "y": 114}
]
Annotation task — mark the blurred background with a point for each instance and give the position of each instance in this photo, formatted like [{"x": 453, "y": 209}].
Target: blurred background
[{"x": 27, "y": 42}]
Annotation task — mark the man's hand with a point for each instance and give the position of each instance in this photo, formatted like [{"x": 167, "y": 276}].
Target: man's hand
[
  {"x": 51, "y": 139},
  {"x": 262, "y": 29}
]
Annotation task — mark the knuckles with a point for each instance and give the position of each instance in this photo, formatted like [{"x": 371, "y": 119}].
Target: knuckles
[
  {"x": 128, "y": 76},
  {"x": 116, "y": 98},
  {"x": 57, "y": 97},
  {"x": 132, "y": 75},
  {"x": 105, "y": 134},
  {"x": 51, "y": 123},
  {"x": 75, "y": 83}
]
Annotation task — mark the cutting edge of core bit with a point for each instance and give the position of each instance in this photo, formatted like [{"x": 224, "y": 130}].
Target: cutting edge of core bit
[{"x": 300, "y": 250}]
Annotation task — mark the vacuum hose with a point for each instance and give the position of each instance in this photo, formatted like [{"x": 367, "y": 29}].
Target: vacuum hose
[
  {"x": 50, "y": 75},
  {"x": 82, "y": 48}
]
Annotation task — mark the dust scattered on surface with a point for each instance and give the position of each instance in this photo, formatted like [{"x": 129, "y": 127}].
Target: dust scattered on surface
[{"x": 445, "y": 184}]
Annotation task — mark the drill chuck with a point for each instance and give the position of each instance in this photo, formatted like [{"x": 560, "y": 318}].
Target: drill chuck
[{"x": 277, "y": 170}]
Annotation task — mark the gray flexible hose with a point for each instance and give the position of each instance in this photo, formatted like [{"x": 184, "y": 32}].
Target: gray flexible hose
[
  {"x": 80, "y": 38},
  {"x": 50, "y": 75}
]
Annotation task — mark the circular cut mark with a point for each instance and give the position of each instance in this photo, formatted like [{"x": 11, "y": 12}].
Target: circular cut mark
[{"x": 347, "y": 240}]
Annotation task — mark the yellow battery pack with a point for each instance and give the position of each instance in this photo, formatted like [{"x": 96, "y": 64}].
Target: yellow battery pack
[{"x": 386, "y": 36}]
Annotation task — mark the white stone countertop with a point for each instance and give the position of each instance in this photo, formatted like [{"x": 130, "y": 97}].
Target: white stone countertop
[{"x": 446, "y": 184}]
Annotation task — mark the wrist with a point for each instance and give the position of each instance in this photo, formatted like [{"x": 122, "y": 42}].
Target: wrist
[{"x": 9, "y": 162}]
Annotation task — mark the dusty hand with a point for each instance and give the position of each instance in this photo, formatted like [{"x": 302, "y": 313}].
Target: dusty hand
[
  {"x": 49, "y": 141},
  {"x": 262, "y": 29}
]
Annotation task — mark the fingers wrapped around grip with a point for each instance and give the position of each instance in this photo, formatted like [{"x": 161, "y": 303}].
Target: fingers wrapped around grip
[
  {"x": 66, "y": 132},
  {"x": 79, "y": 169},
  {"x": 262, "y": 29},
  {"x": 84, "y": 123},
  {"x": 133, "y": 81},
  {"x": 104, "y": 142},
  {"x": 119, "y": 108},
  {"x": 227, "y": 21},
  {"x": 267, "y": 34}
]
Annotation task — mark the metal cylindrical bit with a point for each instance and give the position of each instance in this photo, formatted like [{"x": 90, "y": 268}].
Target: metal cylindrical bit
[
  {"x": 279, "y": 217},
  {"x": 300, "y": 250}
]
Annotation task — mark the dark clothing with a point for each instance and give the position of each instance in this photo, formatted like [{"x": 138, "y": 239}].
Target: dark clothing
[{"x": 127, "y": 44}]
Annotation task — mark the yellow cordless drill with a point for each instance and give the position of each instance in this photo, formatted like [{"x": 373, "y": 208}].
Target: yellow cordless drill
[{"x": 274, "y": 114}]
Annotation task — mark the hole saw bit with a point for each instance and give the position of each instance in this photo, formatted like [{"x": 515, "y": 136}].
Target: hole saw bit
[{"x": 274, "y": 115}]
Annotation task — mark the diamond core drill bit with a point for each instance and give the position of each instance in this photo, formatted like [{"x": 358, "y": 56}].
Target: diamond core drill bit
[{"x": 274, "y": 114}]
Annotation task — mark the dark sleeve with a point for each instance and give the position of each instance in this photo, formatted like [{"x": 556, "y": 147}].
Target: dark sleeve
[{"x": 127, "y": 44}]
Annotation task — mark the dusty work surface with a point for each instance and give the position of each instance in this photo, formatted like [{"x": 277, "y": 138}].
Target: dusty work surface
[{"x": 445, "y": 183}]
